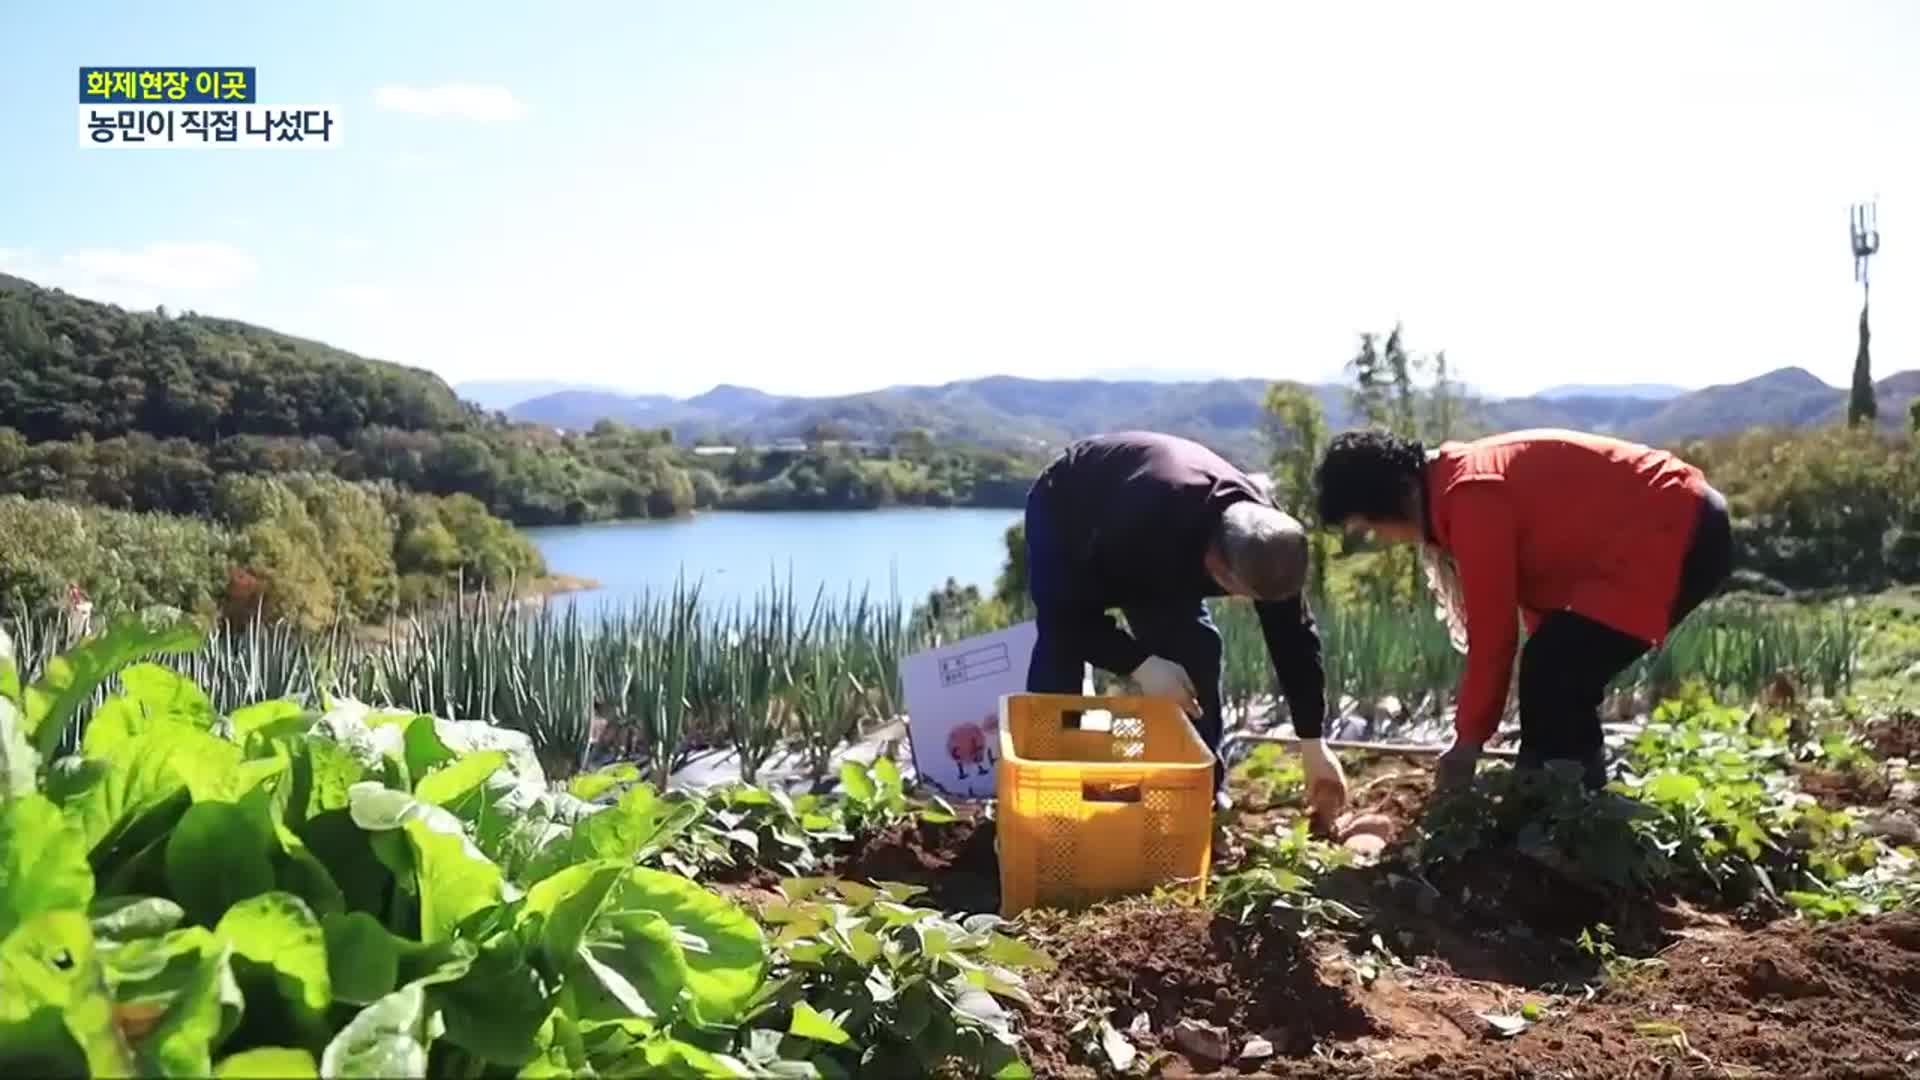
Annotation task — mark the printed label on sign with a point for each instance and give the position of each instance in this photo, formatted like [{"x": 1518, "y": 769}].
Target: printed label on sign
[{"x": 952, "y": 695}]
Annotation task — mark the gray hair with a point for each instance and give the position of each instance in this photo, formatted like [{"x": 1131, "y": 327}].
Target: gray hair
[{"x": 1265, "y": 548}]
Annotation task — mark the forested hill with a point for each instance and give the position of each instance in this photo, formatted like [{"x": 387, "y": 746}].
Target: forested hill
[
  {"x": 145, "y": 411},
  {"x": 71, "y": 367},
  {"x": 141, "y": 411}
]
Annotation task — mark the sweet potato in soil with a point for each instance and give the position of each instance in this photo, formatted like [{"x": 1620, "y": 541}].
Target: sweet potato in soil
[{"x": 1779, "y": 1000}]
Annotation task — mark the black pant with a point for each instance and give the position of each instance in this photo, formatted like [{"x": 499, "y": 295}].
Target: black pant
[
  {"x": 1570, "y": 659},
  {"x": 1184, "y": 634}
]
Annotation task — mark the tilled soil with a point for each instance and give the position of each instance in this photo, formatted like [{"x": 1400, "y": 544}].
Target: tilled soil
[
  {"x": 1402, "y": 995},
  {"x": 1150, "y": 965},
  {"x": 1789, "y": 1001},
  {"x": 1497, "y": 915},
  {"x": 1838, "y": 789},
  {"x": 1896, "y": 735},
  {"x": 955, "y": 862}
]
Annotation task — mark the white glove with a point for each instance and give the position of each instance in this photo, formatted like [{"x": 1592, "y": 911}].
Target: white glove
[
  {"x": 1159, "y": 677},
  {"x": 1326, "y": 781}
]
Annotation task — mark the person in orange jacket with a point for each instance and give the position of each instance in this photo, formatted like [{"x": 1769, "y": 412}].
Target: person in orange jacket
[{"x": 1599, "y": 546}]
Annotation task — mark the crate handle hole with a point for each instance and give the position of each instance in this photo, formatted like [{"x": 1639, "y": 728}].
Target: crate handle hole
[{"x": 1110, "y": 791}]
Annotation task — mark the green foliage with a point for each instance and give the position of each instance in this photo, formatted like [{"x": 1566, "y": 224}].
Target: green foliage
[
  {"x": 738, "y": 824},
  {"x": 1740, "y": 648},
  {"x": 1825, "y": 508},
  {"x": 1708, "y": 806},
  {"x": 1862, "y": 408},
  {"x": 1270, "y": 775},
  {"x": 1278, "y": 879},
  {"x": 1596, "y": 941},
  {"x": 875, "y": 796},
  {"x": 1010, "y": 588},
  {"x": 1296, "y": 430},
  {"x": 867, "y": 984},
  {"x": 78, "y": 367},
  {"x": 1722, "y": 784},
  {"x": 179, "y": 906},
  {"x": 952, "y": 613},
  {"x": 823, "y": 700},
  {"x": 122, "y": 560},
  {"x": 1546, "y": 813},
  {"x": 306, "y": 549},
  {"x": 832, "y": 476}
]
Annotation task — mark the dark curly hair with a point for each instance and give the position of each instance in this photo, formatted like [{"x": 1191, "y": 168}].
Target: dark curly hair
[{"x": 1366, "y": 474}]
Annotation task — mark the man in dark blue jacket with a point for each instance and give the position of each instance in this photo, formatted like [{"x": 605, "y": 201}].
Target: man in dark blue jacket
[{"x": 1153, "y": 525}]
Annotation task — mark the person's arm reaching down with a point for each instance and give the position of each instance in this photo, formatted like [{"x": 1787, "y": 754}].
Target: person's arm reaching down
[
  {"x": 1293, "y": 644},
  {"x": 1484, "y": 549}
]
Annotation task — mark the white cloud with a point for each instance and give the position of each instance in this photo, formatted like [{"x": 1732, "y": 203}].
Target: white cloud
[
  {"x": 466, "y": 101},
  {"x": 166, "y": 266},
  {"x": 140, "y": 277}
]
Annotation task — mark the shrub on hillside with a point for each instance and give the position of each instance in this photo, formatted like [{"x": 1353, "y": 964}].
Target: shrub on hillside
[
  {"x": 120, "y": 559},
  {"x": 1820, "y": 509}
]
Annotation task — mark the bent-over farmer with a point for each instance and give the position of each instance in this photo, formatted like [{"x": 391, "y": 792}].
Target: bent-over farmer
[
  {"x": 1153, "y": 525},
  {"x": 1600, "y": 546}
]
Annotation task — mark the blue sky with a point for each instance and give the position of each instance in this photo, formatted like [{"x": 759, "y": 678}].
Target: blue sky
[{"x": 835, "y": 195}]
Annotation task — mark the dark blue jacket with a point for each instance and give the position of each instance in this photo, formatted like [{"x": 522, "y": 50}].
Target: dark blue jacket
[{"x": 1127, "y": 519}]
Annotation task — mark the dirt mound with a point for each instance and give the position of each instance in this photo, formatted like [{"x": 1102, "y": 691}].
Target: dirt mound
[
  {"x": 1792, "y": 1001},
  {"x": 1177, "y": 963},
  {"x": 1400, "y": 795},
  {"x": 1837, "y": 789},
  {"x": 955, "y": 862},
  {"x": 1788, "y": 1002},
  {"x": 1895, "y": 735}
]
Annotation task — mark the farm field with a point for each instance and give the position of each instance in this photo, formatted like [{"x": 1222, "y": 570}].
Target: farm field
[{"x": 326, "y": 888}]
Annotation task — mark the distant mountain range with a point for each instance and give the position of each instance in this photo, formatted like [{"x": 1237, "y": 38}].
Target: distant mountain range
[
  {"x": 1650, "y": 391},
  {"x": 1013, "y": 412},
  {"x": 503, "y": 394}
]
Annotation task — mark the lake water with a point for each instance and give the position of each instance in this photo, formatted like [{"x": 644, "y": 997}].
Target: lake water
[{"x": 734, "y": 555}]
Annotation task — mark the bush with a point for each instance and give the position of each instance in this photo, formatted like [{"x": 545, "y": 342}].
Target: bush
[
  {"x": 1819, "y": 509},
  {"x": 120, "y": 559}
]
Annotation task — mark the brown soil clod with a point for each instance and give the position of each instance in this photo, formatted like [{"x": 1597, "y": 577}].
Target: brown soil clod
[
  {"x": 955, "y": 862},
  {"x": 1895, "y": 735},
  {"x": 1837, "y": 789},
  {"x": 1178, "y": 963},
  {"x": 1481, "y": 935}
]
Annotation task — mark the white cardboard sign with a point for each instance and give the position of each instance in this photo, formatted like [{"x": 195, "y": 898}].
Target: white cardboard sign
[{"x": 953, "y": 707}]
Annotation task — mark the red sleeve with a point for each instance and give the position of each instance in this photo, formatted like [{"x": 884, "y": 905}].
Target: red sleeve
[{"x": 1483, "y": 549}]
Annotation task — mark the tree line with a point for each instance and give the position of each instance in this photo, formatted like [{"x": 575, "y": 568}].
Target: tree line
[
  {"x": 245, "y": 459},
  {"x": 310, "y": 549},
  {"x": 224, "y": 468},
  {"x": 1833, "y": 507}
]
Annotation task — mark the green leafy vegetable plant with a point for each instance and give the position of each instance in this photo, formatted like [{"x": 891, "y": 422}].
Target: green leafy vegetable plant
[
  {"x": 867, "y": 984},
  {"x": 303, "y": 892}
]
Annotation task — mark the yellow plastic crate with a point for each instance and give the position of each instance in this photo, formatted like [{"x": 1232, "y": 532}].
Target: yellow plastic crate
[{"x": 1099, "y": 797}]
